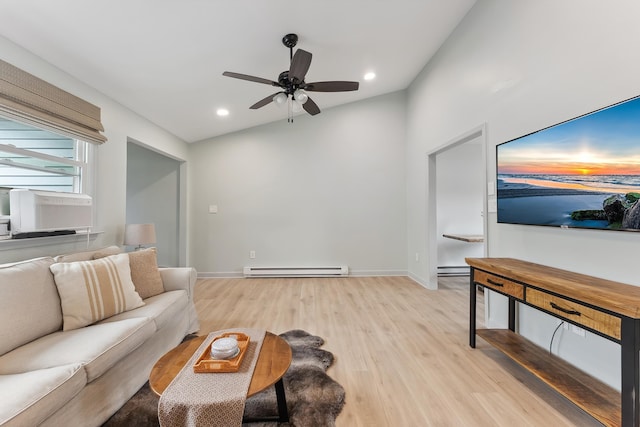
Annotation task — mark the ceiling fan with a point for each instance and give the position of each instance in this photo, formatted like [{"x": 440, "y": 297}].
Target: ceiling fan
[{"x": 292, "y": 84}]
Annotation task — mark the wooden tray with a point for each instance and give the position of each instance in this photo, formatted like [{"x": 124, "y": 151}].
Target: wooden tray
[{"x": 206, "y": 364}]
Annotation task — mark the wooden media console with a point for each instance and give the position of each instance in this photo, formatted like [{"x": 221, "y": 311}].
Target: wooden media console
[{"x": 606, "y": 308}]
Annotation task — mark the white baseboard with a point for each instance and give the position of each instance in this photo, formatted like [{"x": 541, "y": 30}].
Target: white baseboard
[
  {"x": 220, "y": 275},
  {"x": 420, "y": 281},
  {"x": 353, "y": 273}
]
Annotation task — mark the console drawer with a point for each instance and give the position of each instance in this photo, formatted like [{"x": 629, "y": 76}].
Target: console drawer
[
  {"x": 578, "y": 313},
  {"x": 498, "y": 283}
]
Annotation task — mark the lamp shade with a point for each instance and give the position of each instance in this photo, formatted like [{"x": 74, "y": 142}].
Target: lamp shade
[
  {"x": 301, "y": 96},
  {"x": 280, "y": 99},
  {"x": 139, "y": 234},
  {"x": 296, "y": 107}
]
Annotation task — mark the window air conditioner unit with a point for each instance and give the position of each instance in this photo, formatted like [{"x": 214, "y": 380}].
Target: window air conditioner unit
[{"x": 43, "y": 211}]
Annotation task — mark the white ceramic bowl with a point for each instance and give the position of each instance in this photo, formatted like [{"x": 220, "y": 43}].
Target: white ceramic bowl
[
  {"x": 224, "y": 348},
  {"x": 224, "y": 355}
]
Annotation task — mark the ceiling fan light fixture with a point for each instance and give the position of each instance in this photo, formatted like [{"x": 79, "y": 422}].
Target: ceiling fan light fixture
[
  {"x": 280, "y": 99},
  {"x": 292, "y": 85},
  {"x": 300, "y": 96},
  {"x": 296, "y": 106}
]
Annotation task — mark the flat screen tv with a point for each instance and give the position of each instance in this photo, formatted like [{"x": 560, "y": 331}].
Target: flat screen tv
[{"x": 582, "y": 173}]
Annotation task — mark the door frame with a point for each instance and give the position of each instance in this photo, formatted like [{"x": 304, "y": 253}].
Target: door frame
[
  {"x": 478, "y": 132},
  {"x": 181, "y": 225}
]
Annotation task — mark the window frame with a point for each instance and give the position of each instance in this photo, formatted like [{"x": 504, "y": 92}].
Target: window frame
[
  {"x": 81, "y": 153},
  {"x": 27, "y": 99}
]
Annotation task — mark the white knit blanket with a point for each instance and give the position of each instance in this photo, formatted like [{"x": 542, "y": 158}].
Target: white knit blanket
[{"x": 210, "y": 399}]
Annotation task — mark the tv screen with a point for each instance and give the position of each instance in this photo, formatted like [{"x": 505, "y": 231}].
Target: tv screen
[{"x": 582, "y": 173}]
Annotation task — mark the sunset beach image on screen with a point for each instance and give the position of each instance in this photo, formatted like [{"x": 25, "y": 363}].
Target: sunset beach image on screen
[{"x": 582, "y": 173}]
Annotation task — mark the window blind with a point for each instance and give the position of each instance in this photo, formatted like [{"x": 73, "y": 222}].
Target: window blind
[{"x": 26, "y": 98}]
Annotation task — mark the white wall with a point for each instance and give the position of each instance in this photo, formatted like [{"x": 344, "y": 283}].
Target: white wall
[
  {"x": 120, "y": 123},
  {"x": 521, "y": 66},
  {"x": 325, "y": 190},
  {"x": 153, "y": 196}
]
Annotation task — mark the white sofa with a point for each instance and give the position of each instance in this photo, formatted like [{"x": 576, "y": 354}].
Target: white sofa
[{"x": 80, "y": 377}]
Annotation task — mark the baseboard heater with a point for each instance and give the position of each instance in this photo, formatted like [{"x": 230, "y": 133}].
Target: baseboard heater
[
  {"x": 453, "y": 270},
  {"x": 296, "y": 271}
]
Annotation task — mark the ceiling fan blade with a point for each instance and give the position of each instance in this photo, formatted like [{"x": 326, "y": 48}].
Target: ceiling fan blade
[
  {"x": 264, "y": 101},
  {"x": 311, "y": 107},
  {"x": 336, "y": 86},
  {"x": 250, "y": 78},
  {"x": 299, "y": 65}
]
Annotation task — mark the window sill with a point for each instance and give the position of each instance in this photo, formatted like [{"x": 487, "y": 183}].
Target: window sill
[{"x": 8, "y": 244}]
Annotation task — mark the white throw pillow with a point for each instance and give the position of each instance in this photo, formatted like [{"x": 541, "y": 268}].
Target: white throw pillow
[{"x": 94, "y": 290}]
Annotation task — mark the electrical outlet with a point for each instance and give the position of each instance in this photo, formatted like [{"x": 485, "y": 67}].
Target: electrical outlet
[
  {"x": 252, "y": 254},
  {"x": 417, "y": 256}
]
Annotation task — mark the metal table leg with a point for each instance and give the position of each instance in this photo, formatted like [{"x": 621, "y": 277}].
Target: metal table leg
[
  {"x": 472, "y": 311},
  {"x": 283, "y": 412},
  {"x": 630, "y": 376}
]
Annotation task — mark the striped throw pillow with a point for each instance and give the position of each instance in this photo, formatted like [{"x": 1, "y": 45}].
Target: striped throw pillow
[{"x": 94, "y": 290}]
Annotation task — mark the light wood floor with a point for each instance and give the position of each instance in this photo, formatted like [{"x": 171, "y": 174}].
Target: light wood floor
[{"x": 401, "y": 350}]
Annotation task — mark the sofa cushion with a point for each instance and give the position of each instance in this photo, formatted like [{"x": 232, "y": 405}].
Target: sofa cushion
[
  {"x": 144, "y": 272},
  {"x": 97, "y": 347},
  {"x": 31, "y": 397},
  {"x": 163, "y": 309},
  {"x": 29, "y": 306},
  {"x": 88, "y": 255},
  {"x": 94, "y": 290},
  {"x": 108, "y": 251}
]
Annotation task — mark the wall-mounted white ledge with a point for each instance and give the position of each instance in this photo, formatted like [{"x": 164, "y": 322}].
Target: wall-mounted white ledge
[
  {"x": 80, "y": 236},
  {"x": 469, "y": 238}
]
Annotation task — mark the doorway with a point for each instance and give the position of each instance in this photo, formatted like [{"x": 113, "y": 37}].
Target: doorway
[
  {"x": 456, "y": 204},
  {"x": 155, "y": 188}
]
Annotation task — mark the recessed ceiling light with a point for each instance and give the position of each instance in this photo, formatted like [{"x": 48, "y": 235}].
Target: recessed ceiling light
[
  {"x": 222, "y": 112},
  {"x": 370, "y": 75}
]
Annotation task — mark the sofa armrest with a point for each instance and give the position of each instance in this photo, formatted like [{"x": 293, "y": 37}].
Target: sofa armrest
[
  {"x": 182, "y": 278},
  {"x": 178, "y": 278}
]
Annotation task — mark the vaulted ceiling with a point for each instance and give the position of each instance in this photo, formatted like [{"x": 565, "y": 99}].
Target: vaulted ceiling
[{"x": 164, "y": 59}]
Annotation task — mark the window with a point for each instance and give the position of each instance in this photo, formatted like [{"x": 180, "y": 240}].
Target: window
[
  {"x": 39, "y": 159},
  {"x": 47, "y": 138},
  {"x": 47, "y": 135}
]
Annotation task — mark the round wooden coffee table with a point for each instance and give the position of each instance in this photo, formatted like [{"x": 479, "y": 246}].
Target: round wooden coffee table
[{"x": 273, "y": 361}]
